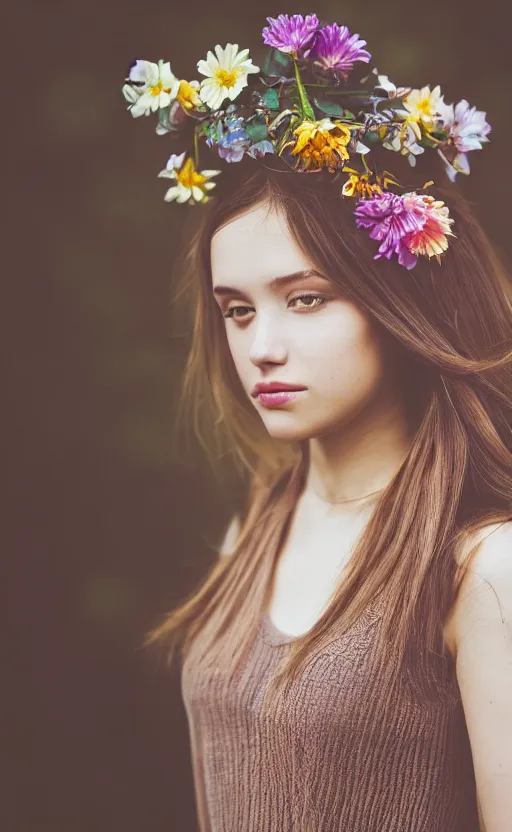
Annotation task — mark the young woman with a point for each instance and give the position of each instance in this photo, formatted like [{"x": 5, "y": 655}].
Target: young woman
[
  {"x": 380, "y": 504},
  {"x": 347, "y": 662}
]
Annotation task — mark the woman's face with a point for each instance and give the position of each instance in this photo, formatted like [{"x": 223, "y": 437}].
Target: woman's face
[{"x": 298, "y": 332}]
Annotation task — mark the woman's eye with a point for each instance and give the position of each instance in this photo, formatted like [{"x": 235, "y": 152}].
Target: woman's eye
[
  {"x": 229, "y": 312},
  {"x": 309, "y": 297}
]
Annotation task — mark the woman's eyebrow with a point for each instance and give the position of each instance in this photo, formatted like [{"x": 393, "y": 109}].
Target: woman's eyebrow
[{"x": 276, "y": 282}]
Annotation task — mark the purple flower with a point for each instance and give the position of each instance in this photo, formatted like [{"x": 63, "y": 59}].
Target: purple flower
[
  {"x": 259, "y": 149},
  {"x": 392, "y": 220},
  {"x": 231, "y": 139},
  {"x": 335, "y": 48},
  {"x": 467, "y": 130},
  {"x": 289, "y": 34}
]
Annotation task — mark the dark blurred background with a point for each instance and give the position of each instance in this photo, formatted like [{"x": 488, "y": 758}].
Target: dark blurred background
[{"x": 107, "y": 527}]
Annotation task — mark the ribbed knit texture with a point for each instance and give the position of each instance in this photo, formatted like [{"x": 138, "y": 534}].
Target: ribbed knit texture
[{"x": 330, "y": 758}]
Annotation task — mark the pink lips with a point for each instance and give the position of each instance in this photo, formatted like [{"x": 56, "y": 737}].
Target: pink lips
[
  {"x": 276, "y": 399},
  {"x": 276, "y": 393},
  {"x": 275, "y": 387}
]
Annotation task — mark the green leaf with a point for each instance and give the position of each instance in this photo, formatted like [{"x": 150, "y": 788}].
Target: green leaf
[
  {"x": 331, "y": 108},
  {"x": 271, "y": 99},
  {"x": 277, "y": 64},
  {"x": 163, "y": 117},
  {"x": 256, "y": 130}
]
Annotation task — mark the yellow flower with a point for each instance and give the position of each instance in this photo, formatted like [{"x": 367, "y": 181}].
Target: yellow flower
[
  {"x": 190, "y": 184},
  {"x": 322, "y": 143},
  {"x": 421, "y": 106},
  {"x": 188, "y": 96},
  {"x": 365, "y": 185},
  {"x": 358, "y": 185}
]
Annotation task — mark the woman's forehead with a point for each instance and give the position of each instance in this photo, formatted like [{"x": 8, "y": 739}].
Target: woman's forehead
[{"x": 257, "y": 242}]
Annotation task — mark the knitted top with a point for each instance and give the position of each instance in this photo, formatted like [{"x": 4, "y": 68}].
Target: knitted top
[{"x": 330, "y": 757}]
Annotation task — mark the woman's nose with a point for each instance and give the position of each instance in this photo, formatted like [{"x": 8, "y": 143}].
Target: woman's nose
[{"x": 268, "y": 344}]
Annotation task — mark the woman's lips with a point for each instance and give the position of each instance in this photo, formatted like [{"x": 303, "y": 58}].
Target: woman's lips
[{"x": 279, "y": 398}]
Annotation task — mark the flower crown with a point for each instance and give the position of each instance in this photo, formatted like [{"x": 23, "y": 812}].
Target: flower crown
[{"x": 301, "y": 108}]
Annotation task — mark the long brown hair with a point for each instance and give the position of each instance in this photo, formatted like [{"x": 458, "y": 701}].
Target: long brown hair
[{"x": 451, "y": 324}]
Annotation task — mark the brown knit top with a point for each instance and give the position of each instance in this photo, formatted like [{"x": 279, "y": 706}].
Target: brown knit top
[{"x": 330, "y": 758}]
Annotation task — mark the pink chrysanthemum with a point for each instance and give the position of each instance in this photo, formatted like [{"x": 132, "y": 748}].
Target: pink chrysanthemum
[
  {"x": 406, "y": 226},
  {"x": 390, "y": 220},
  {"x": 289, "y": 34},
  {"x": 432, "y": 239},
  {"x": 335, "y": 48}
]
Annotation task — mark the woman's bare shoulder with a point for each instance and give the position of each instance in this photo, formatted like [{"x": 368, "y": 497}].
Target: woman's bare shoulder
[{"x": 470, "y": 580}]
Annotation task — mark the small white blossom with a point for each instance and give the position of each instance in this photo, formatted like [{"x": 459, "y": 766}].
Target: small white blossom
[
  {"x": 226, "y": 74},
  {"x": 190, "y": 183},
  {"x": 159, "y": 87}
]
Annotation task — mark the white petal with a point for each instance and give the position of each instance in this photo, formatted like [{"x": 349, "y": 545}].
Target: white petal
[
  {"x": 131, "y": 94},
  {"x": 229, "y": 56},
  {"x": 204, "y": 68},
  {"x": 210, "y": 172},
  {"x": 176, "y": 160},
  {"x": 211, "y": 60},
  {"x": 386, "y": 84},
  {"x": 171, "y": 194},
  {"x": 165, "y": 74},
  {"x": 184, "y": 193},
  {"x": 233, "y": 92},
  {"x": 242, "y": 55},
  {"x": 141, "y": 107},
  {"x": 143, "y": 71},
  {"x": 251, "y": 68},
  {"x": 461, "y": 163},
  {"x": 212, "y": 96},
  {"x": 451, "y": 173},
  {"x": 220, "y": 52},
  {"x": 197, "y": 193}
]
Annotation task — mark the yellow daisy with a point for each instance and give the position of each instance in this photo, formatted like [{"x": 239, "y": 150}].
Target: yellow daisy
[
  {"x": 321, "y": 143},
  {"x": 421, "y": 106},
  {"x": 190, "y": 184}
]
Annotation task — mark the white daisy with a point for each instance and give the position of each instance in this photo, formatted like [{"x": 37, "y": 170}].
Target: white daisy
[
  {"x": 190, "y": 183},
  {"x": 226, "y": 74},
  {"x": 159, "y": 87}
]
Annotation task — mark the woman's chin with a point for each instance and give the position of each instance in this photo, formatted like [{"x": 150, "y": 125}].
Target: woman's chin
[{"x": 289, "y": 432}]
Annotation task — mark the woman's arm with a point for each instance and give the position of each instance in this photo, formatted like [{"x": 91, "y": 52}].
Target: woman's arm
[{"x": 483, "y": 640}]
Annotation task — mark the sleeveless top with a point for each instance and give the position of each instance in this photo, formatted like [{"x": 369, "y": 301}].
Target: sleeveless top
[{"x": 330, "y": 759}]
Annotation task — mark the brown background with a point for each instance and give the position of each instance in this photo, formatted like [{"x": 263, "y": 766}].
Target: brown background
[{"x": 107, "y": 527}]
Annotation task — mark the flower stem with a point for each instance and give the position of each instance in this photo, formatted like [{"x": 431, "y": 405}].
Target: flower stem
[
  {"x": 431, "y": 138},
  {"x": 196, "y": 150},
  {"x": 307, "y": 109}
]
